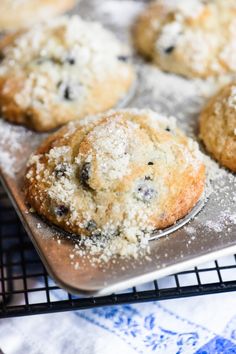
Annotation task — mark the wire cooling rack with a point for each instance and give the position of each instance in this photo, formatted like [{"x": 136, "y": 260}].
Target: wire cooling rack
[{"x": 26, "y": 288}]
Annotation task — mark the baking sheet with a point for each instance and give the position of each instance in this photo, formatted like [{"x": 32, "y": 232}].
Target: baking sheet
[{"x": 210, "y": 235}]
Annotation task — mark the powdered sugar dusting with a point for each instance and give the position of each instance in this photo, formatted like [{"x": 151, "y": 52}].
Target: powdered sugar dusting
[
  {"x": 176, "y": 96},
  {"x": 104, "y": 248},
  {"x": 11, "y": 144},
  {"x": 185, "y": 8},
  {"x": 226, "y": 219},
  {"x": 121, "y": 13}
]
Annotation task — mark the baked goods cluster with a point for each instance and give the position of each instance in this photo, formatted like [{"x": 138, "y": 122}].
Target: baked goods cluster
[{"x": 115, "y": 172}]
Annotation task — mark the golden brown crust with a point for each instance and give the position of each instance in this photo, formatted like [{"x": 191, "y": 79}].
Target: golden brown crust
[
  {"x": 194, "y": 38},
  {"x": 83, "y": 69},
  {"x": 127, "y": 171},
  {"x": 15, "y": 14},
  {"x": 145, "y": 35},
  {"x": 100, "y": 99},
  {"x": 218, "y": 126}
]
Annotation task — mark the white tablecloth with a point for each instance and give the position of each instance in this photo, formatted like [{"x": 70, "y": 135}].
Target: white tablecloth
[{"x": 198, "y": 325}]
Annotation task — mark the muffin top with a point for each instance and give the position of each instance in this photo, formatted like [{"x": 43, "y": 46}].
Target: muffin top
[
  {"x": 218, "y": 126},
  {"x": 194, "y": 38},
  {"x": 61, "y": 70},
  {"x": 123, "y": 172}
]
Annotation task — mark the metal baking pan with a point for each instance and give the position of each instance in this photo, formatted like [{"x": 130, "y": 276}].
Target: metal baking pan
[{"x": 211, "y": 234}]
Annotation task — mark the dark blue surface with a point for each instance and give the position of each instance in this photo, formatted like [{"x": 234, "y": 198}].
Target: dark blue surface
[{"x": 218, "y": 345}]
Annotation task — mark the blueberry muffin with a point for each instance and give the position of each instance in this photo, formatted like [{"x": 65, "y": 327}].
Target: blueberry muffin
[
  {"x": 218, "y": 126},
  {"x": 125, "y": 172},
  {"x": 16, "y": 14},
  {"x": 194, "y": 38},
  {"x": 61, "y": 70}
]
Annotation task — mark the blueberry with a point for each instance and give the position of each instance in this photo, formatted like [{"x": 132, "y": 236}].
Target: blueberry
[
  {"x": 67, "y": 91},
  {"x": 169, "y": 49},
  {"x": 91, "y": 225},
  {"x": 145, "y": 193},
  {"x": 150, "y": 163},
  {"x": 123, "y": 58},
  {"x": 167, "y": 129},
  {"x": 1, "y": 56},
  {"x": 40, "y": 61},
  {"x": 60, "y": 170},
  {"x": 71, "y": 61},
  {"x": 61, "y": 210},
  {"x": 97, "y": 233},
  {"x": 68, "y": 94},
  {"x": 84, "y": 174}
]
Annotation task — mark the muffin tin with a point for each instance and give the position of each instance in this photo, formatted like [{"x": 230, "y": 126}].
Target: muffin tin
[{"x": 209, "y": 235}]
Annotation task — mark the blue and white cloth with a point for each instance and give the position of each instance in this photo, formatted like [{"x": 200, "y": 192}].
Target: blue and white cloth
[{"x": 200, "y": 325}]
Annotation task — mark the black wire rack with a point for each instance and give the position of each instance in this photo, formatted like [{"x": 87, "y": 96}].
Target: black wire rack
[{"x": 27, "y": 289}]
